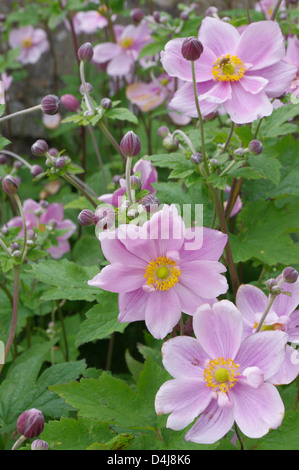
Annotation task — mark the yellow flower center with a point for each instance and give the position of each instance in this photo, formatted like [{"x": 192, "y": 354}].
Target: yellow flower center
[
  {"x": 27, "y": 42},
  {"x": 274, "y": 326},
  {"x": 164, "y": 81},
  {"x": 126, "y": 42},
  {"x": 228, "y": 68},
  {"x": 162, "y": 273},
  {"x": 41, "y": 228},
  {"x": 220, "y": 374}
]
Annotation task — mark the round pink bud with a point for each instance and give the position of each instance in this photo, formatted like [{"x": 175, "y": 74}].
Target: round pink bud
[
  {"x": 136, "y": 182},
  {"x": 163, "y": 131},
  {"x": 50, "y": 104},
  {"x": 36, "y": 170},
  {"x": 192, "y": 48},
  {"x": 150, "y": 203},
  {"x": 10, "y": 185},
  {"x": 70, "y": 102},
  {"x": 3, "y": 159},
  {"x": 290, "y": 275},
  {"x": 39, "y": 148},
  {"x": 31, "y": 423},
  {"x": 88, "y": 86},
  {"x": 38, "y": 444},
  {"x": 85, "y": 52},
  {"x": 256, "y": 147},
  {"x": 61, "y": 162},
  {"x": 106, "y": 103},
  {"x": 85, "y": 218},
  {"x": 196, "y": 158},
  {"x": 130, "y": 144},
  {"x": 137, "y": 14}
]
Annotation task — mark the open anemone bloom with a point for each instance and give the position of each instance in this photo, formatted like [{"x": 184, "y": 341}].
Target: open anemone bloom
[
  {"x": 252, "y": 303},
  {"x": 88, "y": 22},
  {"x": 122, "y": 55},
  {"x": 40, "y": 218},
  {"x": 267, "y": 7},
  {"x": 149, "y": 175},
  {"x": 221, "y": 378},
  {"x": 33, "y": 43},
  {"x": 161, "y": 269},
  {"x": 239, "y": 72}
]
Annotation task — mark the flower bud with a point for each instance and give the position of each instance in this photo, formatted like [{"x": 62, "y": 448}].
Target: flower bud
[
  {"x": 10, "y": 185},
  {"x": 61, "y": 162},
  {"x": 17, "y": 254},
  {"x": 31, "y": 423},
  {"x": 106, "y": 103},
  {"x": 150, "y": 203},
  {"x": 36, "y": 170},
  {"x": 88, "y": 86},
  {"x": 184, "y": 15},
  {"x": 85, "y": 218},
  {"x": 130, "y": 144},
  {"x": 31, "y": 235},
  {"x": 192, "y": 48},
  {"x": 211, "y": 11},
  {"x": 50, "y": 104},
  {"x": 3, "y": 159},
  {"x": 17, "y": 164},
  {"x": 136, "y": 182},
  {"x": 137, "y": 14},
  {"x": 290, "y": 275},
  {"x": 85, "y": 52},
  {"x": 256, "y": 147},
  {"x": 270, "y": 283},
  {"x": 38, "y": 444},
  {"x": 104, "y": 217},
  {"x": 163, "y": 131},
  {"x": 196, "y": 158},
  {"x": 169, "y": 143},
  {"x": 14, "y": 246},
  {"x": 70, "y": 102},
  {"x": 53, "y": 152},
  {"x": 39, "y": 148}
]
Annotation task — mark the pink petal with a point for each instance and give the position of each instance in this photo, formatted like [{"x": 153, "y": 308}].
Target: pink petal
[
  {"x": 176, "y": 66},
  {"x": 184, "y": 399},
  {"x": 183, "y": 356},
  {"x": 132, "y": 305},
  {"x": 293, "y": 327},
  {"x": 120, "y": 65},
  {"x": 212, "y": 425},
  {"x": 219, "y": 36},
  {"x": 285, "y": 304},
  {"x": 204, "y": 277},
  {"x": 210, "y": 246},
  {"x": 251, "y": 300},
  {"x": 289, "y": 369},
  {"x": 106, "y": 51},
  {"x": 119, "y": 278},
  {"x": 245, "y": 107},
  {"x": 54, "y": 212},
  {"x": 218, "y": 329},
  {"x": 257, "y": 410},
  {"x": 279, "y": 75},
  {"x": 218, "y": 94},
  {"x": 261, "y": 44},
  {"x": 62, "y": 248},
  {"x": 253, "y": 84},
  {"x": 184, "y": 102},
  {"x": 68, "y": 225},
  {"x": 265, "y": 350},
  {"x": 190, "y": 300},
  {"x": 163, "y": 312}
]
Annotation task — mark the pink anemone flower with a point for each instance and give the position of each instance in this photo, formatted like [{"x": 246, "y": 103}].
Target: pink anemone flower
[
  {"x": 161, "y": 269},
  {"x": 34, "y": 43},
  {"x": 267, "y": 7},
  {"x": 221, "y": 378},
  {"x": 122, "y": 55},
  {"x": 292, "y": 57},
  {"x": 149, "y": 175},
  {"x": 252, "y": 303},
  {"x": 88, "y": 22},
  {"x": 239, "y": 72},
  {"x": 38, "y": 217}
]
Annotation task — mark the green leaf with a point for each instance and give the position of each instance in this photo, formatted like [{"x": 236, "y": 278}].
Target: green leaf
[
  {"x": 101, "y": 320},
  {"x": 68, "y": 280},
  {"x": 269, "y": 167},
  {"x": 123, "y": 114},
  {"x": 277, "y": 123}
]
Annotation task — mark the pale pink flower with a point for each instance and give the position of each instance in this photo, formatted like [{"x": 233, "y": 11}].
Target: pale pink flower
[
  {"x": 34, "y": 43},
  {"x": 122, "y": 55},
  {"x": 221, "y": 378},
  {"x": 267, "y": 7},
  {"x": 156, "y": 272},
  {"x": 292, "y": 57},
  {"x": 252, "y": 303},
  {"x": 240, "y": 72},
  {"x": 88, "y": 22},
  {"x": 36, "y": 216}
]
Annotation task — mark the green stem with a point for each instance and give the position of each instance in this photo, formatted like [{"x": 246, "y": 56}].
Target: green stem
[
  {"x": 232, "y": 128},
  {"x": 275, "y": 10},
  {"x": 5, "y": 248},
  {"x": 112, "y": 140},
  {"x": 88, "y": 102},
  {"x": 239, "y": 436},
  {"x": 128, "y": 179},
  {"x": 20, "y": 113},
  {"x": 200, "y": 119},
  {"x": 98, "y": 155},
  {"x": 271, "y": 300},
  {"x": 247, "y": 11},
  {"x": 24, "y": 247}
]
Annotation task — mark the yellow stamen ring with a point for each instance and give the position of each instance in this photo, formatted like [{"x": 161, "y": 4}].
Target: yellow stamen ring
[
  {"x": 221, "y": 374},
  {"x": 126, "y": 42},
  {"x": 162, "y": 273},
  {"x": 228, "y": 68}
]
